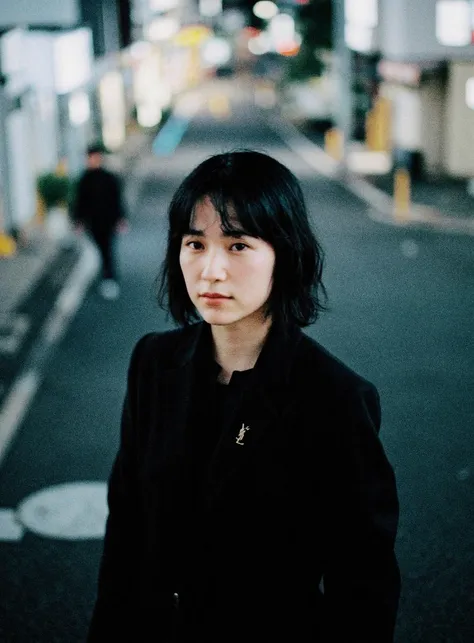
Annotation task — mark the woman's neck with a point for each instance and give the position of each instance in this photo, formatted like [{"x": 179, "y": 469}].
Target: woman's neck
[{"x": 237, "y": 347}]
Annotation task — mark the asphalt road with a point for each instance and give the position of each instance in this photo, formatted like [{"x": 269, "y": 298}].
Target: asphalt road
[{"x": 401, "y": 313}]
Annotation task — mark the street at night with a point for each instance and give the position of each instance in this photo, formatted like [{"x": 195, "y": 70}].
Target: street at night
[{"x": 401, "y": 312}]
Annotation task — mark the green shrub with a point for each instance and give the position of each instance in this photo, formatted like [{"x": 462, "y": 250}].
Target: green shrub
[{"x": 54, "y": 189}]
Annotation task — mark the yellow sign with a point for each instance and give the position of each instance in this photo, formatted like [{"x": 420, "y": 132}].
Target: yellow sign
[{"x": 192, "y": 35}]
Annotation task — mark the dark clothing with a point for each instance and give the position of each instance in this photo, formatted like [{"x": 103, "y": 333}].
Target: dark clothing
[
  {"x": 222, "y": 524},
  {"x": 99, "y": 208},
  {"x": 105, "y": 242}
]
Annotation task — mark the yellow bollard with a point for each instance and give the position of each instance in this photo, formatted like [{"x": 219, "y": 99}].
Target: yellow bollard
[
  {"x": 402, "y": 194},
  {"x": 370, "y": 121},
  {"x": 219, "y": 106},
  {"x": 40, "y": 215},
  {"x": 7, "y": 245},
  {"x": 378, "y": 126},
  {"x": 333, "y": 143}
]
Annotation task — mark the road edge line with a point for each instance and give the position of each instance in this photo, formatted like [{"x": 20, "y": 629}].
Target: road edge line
[{"x": 20, "y": 397}]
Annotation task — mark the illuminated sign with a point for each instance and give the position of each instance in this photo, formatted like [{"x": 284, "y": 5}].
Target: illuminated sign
[{"x": 454, "y": 22}]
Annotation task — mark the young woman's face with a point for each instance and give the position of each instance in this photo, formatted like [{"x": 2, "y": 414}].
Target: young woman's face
[{"x": 228, "y": 276}]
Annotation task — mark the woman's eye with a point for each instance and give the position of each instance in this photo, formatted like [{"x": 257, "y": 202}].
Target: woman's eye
[
  {"x": 239, "y": 246},
  {"x": 194, "y": 245}
]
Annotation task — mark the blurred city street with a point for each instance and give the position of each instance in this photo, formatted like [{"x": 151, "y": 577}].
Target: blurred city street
[
  {"x": 401, "y": 313},
  {"x": 371, "y": 104}
]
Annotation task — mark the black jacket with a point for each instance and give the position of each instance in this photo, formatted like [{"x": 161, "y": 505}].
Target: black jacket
[
  {"x": 98, "y": 201},
  {"x": 307, "y": 495}
]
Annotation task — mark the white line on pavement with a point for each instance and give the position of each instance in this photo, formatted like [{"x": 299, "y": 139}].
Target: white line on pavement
[
  {"x": 15, "y": 407},
  {"x": 20, "y": 397}
]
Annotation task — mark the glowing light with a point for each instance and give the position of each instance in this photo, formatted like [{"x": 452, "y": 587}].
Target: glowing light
[
  {"x": 163, "y": 5},
  {"x": 265, "y": 9},
  {"x": 359, "y": 38},
  {"x": 260, "y": 45},
  {"x": 79, "y": 108},
  {"x": 362, "y": 12},
  {"x": 192, "y": 35},
  {"x": 217, "y": 51},
  {"x": 453, "y": 23},
  {"x": 289, "y": 49},
  {"x": 210, "y": 8},
  {"x": 470, "y": 93},
  {"x": 148, "y": 115},
  {"x": 112, "y": 107},
  {"x": 72, "y": 60},
  {"x": 162, "y": 29}
]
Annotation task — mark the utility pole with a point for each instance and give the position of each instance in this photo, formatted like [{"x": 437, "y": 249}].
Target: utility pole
[
  {"x": 343, "y": 108},
  {"x": 6, "y": 222}
]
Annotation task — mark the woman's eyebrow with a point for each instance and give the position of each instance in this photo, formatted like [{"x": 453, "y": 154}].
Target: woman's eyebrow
[
  {"x": 236, "y": 233},
  {"x": 194, "y": 233}
]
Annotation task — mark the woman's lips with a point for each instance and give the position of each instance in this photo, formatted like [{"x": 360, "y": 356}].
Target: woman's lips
[{"x": 214, "y": 295}]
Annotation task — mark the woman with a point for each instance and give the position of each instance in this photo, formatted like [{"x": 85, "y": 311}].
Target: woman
[{"x": 251, "y": 499}]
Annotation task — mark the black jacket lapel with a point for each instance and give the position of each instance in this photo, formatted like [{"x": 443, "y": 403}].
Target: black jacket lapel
[{"x": 261, "y": 405}]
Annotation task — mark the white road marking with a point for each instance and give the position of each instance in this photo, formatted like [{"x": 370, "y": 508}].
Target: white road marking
[
  {"x": 11, "y": 343},
  {"x": 15, "y": 407},
  {"x": 10, "y": 529},
  {"x": 18, "y": 401},
  {"x": 311, "y": 153},
  {"x": 70, "y": 511},
  {"x": 410, "y": 248}
]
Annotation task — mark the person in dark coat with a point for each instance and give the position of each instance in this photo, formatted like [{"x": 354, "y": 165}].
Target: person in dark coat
[
  {"x": 251, "y": 499},
  {"x": 100, "y": 210}
]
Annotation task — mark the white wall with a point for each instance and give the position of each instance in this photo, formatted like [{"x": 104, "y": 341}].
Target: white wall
[
  {"x": 459, "y": 123},
  {"x": 433, "y": 107},
  {"x": 39, "y": 12},
  {"x": 22, "y": 186},
  {"x": 406, "y": 127},
  {"x": 408, "y": 32}
]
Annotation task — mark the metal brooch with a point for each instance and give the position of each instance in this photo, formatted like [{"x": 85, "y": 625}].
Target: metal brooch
[{"x": 240, "y": 438}]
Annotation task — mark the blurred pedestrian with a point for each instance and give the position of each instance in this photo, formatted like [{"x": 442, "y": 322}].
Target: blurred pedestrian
[
  {"x": 251, "y": 500},
  {"x": 99, "y": 209}
]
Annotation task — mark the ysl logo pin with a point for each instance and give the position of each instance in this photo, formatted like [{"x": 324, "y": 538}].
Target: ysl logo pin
[{"x": 240, "y": 438}]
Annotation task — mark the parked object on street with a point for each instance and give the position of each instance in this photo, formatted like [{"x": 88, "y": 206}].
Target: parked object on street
[
  {"x": 251, "y": 498},
  {"x": 99, "y": 208}
]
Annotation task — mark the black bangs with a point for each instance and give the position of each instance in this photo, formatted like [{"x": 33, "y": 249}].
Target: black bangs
[{"x": 237, "y": 214}]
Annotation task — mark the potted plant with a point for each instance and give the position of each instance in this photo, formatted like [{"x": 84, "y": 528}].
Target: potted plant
[{"x": 54, "y": 191}]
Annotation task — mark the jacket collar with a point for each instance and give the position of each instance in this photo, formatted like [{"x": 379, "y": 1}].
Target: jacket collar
[{"x": 273, "y": 367}]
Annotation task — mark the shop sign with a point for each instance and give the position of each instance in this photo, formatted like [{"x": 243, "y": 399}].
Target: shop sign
[{"x": 192, "y": 35}]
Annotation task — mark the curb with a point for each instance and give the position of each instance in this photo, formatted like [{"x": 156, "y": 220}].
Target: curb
[{"x": 382, "y": 206}]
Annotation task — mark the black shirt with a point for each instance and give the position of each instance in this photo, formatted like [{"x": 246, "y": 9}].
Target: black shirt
[{"x": 213, "y": 407}]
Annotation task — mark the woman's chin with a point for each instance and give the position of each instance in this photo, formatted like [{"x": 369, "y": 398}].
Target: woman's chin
[{"x": 218, "y": 318}]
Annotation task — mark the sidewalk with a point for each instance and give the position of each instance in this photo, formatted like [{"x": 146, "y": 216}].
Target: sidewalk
[
  {"x": 32, "y": 280},
  {"x": 446, "y": 196},
  {"x": 443, "y": 203}
]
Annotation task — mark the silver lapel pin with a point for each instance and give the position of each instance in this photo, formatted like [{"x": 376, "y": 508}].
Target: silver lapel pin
[{"x": 240, "y": 438}]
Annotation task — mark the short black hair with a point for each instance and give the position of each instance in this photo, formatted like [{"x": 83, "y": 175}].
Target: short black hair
[
  {"x": 96, "y": 148},
  {"x": 268, "y": 202}
]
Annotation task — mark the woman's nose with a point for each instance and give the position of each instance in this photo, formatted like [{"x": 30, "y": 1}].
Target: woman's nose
[{"x": 214, "y": 266}]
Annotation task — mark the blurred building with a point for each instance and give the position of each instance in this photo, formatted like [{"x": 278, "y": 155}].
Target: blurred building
[
  {"x": 77, "y": 71},
  {"x": 418, "y": 65}
]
